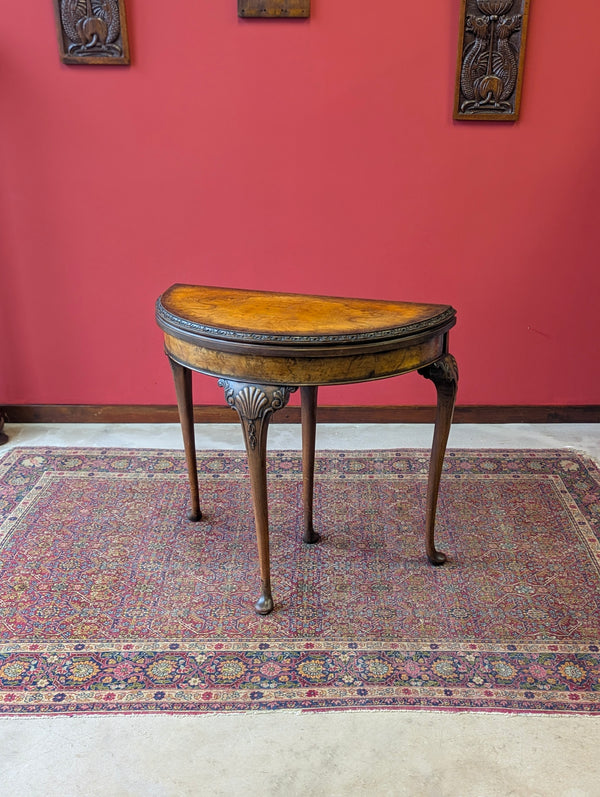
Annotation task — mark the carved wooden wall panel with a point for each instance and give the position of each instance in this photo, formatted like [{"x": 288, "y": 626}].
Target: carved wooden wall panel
[
  {"x": 491, "y": 52},
  {"x": 92, "y": 31},
  {"x": 273, "y": 8}
]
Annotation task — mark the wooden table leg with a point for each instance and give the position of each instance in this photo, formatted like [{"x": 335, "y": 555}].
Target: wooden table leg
[
  {"x": 309, "y": 424},
  {"x": 183, "y": 389},
  {"x": 255, "y": 404},
  {"x": 444, "y": 375}
]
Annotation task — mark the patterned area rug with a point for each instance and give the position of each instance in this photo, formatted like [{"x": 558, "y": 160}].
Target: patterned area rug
[{"x": 111, "y": 601}]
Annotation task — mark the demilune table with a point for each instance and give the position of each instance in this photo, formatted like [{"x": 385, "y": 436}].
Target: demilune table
[{"x": 263, "y": 346}]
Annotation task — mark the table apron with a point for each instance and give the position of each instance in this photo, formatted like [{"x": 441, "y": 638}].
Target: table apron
[{"x": 346, "y": 368}]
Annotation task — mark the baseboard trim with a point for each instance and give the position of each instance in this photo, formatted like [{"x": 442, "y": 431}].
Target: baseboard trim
[{"x": 154, "y": 413}]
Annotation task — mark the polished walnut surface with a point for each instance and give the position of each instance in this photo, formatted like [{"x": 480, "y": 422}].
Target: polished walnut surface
[
  {"x": 262, "y": 316},
  {"x": 296, "y": 339}
]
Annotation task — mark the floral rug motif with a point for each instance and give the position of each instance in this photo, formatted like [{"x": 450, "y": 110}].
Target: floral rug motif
[{"x": 112, "y": 601}]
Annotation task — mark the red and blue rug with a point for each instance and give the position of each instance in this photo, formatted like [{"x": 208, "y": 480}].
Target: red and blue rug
[{"x": 111, "y": 601}]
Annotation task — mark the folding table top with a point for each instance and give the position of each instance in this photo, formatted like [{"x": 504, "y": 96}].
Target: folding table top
[{"x": 283, "y": 318}]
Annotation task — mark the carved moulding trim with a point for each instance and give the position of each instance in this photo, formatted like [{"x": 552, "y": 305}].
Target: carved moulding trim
[
  {"x": 491, "y": 53},
  {"x": 176, "y": 322},
  {"x": 92, "y": 31}
]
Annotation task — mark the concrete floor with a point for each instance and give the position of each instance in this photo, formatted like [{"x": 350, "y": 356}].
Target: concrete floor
[{"x": 433, "y": 754}]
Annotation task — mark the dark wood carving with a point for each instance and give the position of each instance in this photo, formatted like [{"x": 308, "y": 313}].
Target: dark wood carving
[
  {"x": 491, "y": 51},
  {"x": 255, "y": 404},
  {"x": 92, "y": 31},
  {"x": 272, "y": 9}
]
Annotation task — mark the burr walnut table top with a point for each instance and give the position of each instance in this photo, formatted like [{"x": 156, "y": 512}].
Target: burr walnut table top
[
  {"x": 291, "y": 317},
  {"x": 286, "y": 338}
]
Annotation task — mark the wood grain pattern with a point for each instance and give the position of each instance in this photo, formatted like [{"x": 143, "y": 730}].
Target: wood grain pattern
[
  {"x": 289, "y": 318},
  {"x": 347, "y": 368}
]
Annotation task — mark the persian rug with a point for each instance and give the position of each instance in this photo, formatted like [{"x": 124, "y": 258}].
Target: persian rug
[{"x": 112, "y": 601}]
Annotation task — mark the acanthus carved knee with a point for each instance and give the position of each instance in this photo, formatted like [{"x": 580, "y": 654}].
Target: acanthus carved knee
[{"x": 443, "y": 372}]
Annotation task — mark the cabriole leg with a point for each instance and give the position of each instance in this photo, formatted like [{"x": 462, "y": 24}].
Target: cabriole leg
[
  {"x": 255, "y": 404},
  {"x": 183, "y": 389},
  {"x": 444, "y": 374},
  {"x": 309, "y": 422}
]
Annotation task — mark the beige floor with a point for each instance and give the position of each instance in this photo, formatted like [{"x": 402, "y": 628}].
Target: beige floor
[{"x": 286, "y": 753}]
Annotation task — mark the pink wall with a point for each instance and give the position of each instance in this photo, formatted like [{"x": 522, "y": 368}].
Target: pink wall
[{"x": 314, "y": 156}]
